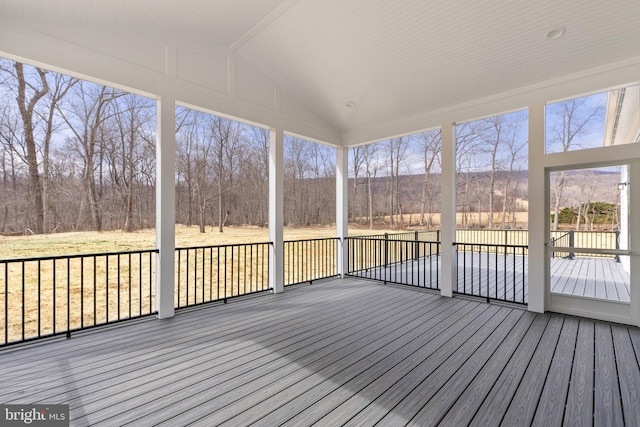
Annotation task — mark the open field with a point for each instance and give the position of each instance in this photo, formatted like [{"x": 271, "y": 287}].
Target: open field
[
  {"x": 75, "y": 243},
  {"x": 412, "y": 220},
  {"x": 48, "y": 296}
]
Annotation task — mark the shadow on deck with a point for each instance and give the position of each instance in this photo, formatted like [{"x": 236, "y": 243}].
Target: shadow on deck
[
  {"x": 339, "y": 352},
  {"x": 504, "y": 276}
]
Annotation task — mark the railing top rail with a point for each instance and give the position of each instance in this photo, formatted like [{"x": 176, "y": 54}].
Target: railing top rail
[
  {"x": 315, "y": 239},
  {"x": 57, "y": 257},
  {"x": 591, "y": 251},
  {"x": 393, "y": 240},
  {"x": 222, "y": 246},
  {"x": 492, "y": 245}
]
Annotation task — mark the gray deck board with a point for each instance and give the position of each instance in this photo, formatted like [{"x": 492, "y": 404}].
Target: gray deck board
[
  {"x": 628, "y": 374},
  {"x": 340, "y": 406},
  {"x": 398, "y": 391},
  {"x": 242, "y": 372},
  {"x": 333, "y": 391},
  {"x": 449, "y": 393},
  {"x": 579, "y": 410},
  {"x": 524, "y": 404},
  {"x": 342, "y": 351},
  {"x": 497, "y": 401},
  {"x": 307, "y": 391},
  {"x": 256, "y": 395},
  {"x": 463, "y": 407},
  {"x": 494, "y": 276},
  {"x": 607, "y": 405},
  {"x": 126, "y": 361},
  {"x": 550, "y": 410}
]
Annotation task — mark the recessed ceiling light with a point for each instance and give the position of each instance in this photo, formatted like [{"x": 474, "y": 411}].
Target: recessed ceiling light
[
  {"x": 555, "y": 33},
  {"x": 351, "y": 104}
]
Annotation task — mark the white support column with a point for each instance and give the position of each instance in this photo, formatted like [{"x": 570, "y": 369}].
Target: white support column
[
  {"x": 276, "y": 210},
  {"x": 448, "y": 211},
  {"x": 342, "y": 209},
  {"x": 165, "y": 206},
  {"x": 538, "y": 220},
  {"x": 633, "y": 176}
]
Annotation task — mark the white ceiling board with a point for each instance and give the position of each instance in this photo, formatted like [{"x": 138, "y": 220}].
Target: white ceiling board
[
  {"x": 399, "y": 61},
  {"x": 205, "y": 67},
  {"x": 397, "y": 58},
  {"x": 216, "y": 22}
]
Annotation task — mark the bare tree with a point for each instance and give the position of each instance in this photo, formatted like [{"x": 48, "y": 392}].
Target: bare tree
[
  {"x": 256, "y": 163},
  {"x": 568, "y": 121},
  {"x": 188, "y": 133},
  {"x": 60, "y": 86},
  {"x": 226, "y": 138},
  {"x": 397, "y": 154},
  {"x": 85, "y": 117},
  {"x": 431, "y": 144},
  {"x": 516, "y": 151},
  {"x": 371, "y": 170},
  {"x": 467, "y": 176},
  {"x": 491, "y": 143},
  {"x": 29, "y": 94},
  {"x": 357, "y": 161},
  {"x": 12, "y": 158},
  {"x": 126, "y": 147}
]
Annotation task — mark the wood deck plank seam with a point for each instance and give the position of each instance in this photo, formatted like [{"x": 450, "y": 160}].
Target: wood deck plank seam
[
  {"x": 515, "y": 382},
  {"x": 559, "y": 381},
  {"x": 106, "y": 332},
  {"x": 629, "y": 379},
  {"x": 326, "y": 365},
  {"x": 331, "y": 384},
  {"x": 396, "y": 358},
  {"x": 159, "y": 326},
  {"x": 451, "y": 325},
  {"x": 544, "y": 363},
  {"x": 367, "y": 324},
  {"x": 443, "y": 335},
  {"x": 614, "y": 353},
  {"x": 510, "y": 375},
  {"x": 430, "y": 381},
  {"x": 257, "y": 366},
  {"x": 425, "y": 416},
  {"x": 392, "y": 394},
  {"x": 607, "y": 394},
  {"x": 576, "y": 386},
  {"x": 137, "y": 368},
  {"x": 475, "y": 388},
  {"x": 206, "y": 327},
  {"x": 147, "y": 353}
]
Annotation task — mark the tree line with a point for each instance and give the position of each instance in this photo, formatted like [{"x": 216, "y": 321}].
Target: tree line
[{"x": 76, "y": 155}]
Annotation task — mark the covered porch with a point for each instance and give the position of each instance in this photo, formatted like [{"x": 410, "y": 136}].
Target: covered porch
[
  {"x": 294, "y": 68},
  {"x": 344, "y": 350},
  {"x": 338, "y": 352}
]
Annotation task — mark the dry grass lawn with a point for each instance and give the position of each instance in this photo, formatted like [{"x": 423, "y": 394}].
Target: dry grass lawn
[
  {"x": 92, "y": 290},
  {"x": 12, "y": 247}
]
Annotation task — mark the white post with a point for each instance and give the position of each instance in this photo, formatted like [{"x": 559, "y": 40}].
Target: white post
[
  {"x": 276, "y": 211},
  {"x": 632, "y": 173},
  {"x": 448, "y": 211},
  {"x": 165, "y": 206},
  {"x": 538, "y": 218},
  {"x": 624, "y": 216},
  {"x": 342, "y": 209}
]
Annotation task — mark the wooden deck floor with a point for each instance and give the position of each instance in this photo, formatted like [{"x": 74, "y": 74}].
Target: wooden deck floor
[
  {"x": 339, "y": 352},
  {"x": 505, "y": 277}
]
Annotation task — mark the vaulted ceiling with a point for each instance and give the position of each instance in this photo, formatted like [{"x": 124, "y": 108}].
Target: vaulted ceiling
[{"x": 406, "y": 65}]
